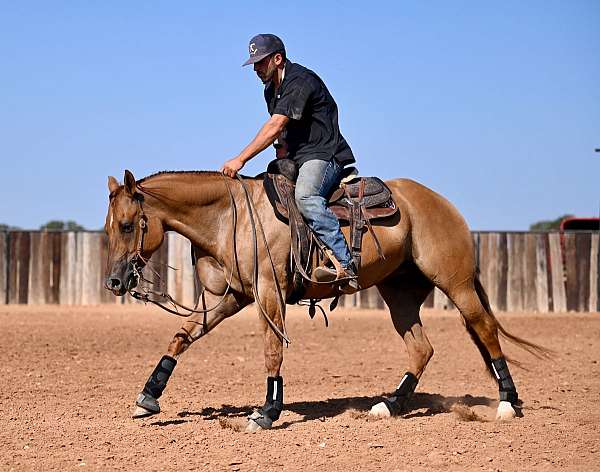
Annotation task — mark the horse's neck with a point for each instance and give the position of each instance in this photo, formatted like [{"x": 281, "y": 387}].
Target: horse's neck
[{"x": 193, "y": 205}]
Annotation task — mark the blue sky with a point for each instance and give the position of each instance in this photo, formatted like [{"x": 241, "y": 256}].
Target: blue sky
[{"x": 495, "y": 105}]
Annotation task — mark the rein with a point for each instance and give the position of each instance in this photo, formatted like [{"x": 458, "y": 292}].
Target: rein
[
  {"x": 280, "y": 300},
  {"x": 145, "y": 296}
]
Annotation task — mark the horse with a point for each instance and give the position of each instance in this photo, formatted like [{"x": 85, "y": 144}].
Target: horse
[{"x": 426, "y": 244}]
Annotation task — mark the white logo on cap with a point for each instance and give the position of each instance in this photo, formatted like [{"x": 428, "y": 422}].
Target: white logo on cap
[{"x": 253, "y": 49}]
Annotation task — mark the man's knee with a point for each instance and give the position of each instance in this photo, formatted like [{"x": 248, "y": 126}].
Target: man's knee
[
  {"x": 303, "y": 191},
  {"x": 309, "y": 204},
  {"x": 304, "y": 203}
]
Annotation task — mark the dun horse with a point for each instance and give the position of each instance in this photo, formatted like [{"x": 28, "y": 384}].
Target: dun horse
[{"x": 426, "y": 245}]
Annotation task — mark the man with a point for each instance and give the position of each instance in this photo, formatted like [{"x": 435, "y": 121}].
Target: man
[{"x": 304, "y": 120}]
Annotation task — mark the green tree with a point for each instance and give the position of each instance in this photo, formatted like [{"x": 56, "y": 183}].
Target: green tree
[
  {"x": 73, "y": 226},
  {"x": 58, "y": 225},
  {"x": 548, "y": 225}
]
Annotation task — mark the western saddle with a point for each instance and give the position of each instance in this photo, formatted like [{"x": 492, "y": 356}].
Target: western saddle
[{"x": 356, "y": 202}]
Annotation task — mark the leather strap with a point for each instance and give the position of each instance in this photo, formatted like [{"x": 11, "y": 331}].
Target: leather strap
[{"x": 357, "y": 223}]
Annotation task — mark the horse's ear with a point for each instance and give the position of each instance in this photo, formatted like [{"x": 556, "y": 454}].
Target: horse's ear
[
  {"x": 113, "y": 184},
  {"x": 129, "y": 180}
]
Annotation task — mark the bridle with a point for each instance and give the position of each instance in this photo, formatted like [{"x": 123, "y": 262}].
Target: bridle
[
  {"x": 137, "y": 257},
  {"x": 138, "y": 262}
]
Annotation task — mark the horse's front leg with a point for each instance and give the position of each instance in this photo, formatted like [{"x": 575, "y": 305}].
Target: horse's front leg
[
  {"x": 264, "y": 417},
  {"x": 193, "y": 329}
]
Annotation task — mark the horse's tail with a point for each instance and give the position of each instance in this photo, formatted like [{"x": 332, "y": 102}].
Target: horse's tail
[{"x": 535, "y": 349}]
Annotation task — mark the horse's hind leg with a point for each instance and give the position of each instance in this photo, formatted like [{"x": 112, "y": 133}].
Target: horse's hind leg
[
  {"x": 193, "y": 329},
  {"x": 404, "y": 293},
  {"x": 471, "y": 300}
]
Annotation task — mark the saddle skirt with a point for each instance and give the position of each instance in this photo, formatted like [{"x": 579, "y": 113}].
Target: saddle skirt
[{"x": 356, "y": 202}]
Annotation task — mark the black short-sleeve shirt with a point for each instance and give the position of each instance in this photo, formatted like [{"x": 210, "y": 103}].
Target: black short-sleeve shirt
[{"x": 313, "y": 131}]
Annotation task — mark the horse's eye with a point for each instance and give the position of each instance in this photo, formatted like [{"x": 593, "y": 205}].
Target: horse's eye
[{"x": 126, "y": 227}]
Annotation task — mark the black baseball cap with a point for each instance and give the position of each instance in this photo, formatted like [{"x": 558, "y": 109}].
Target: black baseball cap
[{"x": 261, "y": 45}]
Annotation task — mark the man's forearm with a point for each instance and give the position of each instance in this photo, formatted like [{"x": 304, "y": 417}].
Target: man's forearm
[{"x": 265, "y": 137}]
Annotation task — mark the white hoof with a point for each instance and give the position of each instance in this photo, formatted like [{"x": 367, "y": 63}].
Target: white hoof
[
  {"x": 505, "y": 411},
  {"x": 141, "y": 412},
  {"x": 381, "y": 410},
  {"x": 252, "y": 427}
]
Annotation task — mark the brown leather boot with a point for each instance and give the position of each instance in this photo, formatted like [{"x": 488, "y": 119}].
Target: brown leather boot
[
  {"x": 324, "y": 274},
  {"x": 345, "y": 277}
]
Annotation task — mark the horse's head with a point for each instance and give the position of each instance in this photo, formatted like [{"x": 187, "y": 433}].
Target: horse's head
[{"x": 133, "y": 234}]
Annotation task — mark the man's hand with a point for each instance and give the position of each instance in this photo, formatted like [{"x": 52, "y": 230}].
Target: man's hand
[
  {"x": 265, "y": 137},
  {"x": 232, "y": 167}
]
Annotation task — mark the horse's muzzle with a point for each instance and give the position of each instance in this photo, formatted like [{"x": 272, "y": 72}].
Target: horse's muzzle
[
  {"x": 123, "y": 277},
  {"x": 115, "y": 285}
]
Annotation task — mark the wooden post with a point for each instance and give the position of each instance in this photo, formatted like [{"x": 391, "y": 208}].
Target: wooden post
[
  {"x": 515, "y": 253},
  {"x": 93, "y": 273},
  {"x": 4, "y": 237},
  {"x": 476, "y": 247},
  {"x": 44, "y": 267},
  {"x": 570, "y": 259},
  {"x": 81, "y": 259},
  {"x": 106, "y": 296},
  {"x": 559, "y": 299},
  {"x": 593, "y": 302},
  {"x": 68, "y": 273},
  {"x": 38, "y": 268},
  {"x": 541, "y": 273},
  {"x": 530, "y": 286},
  {"x": 488, "y": 266},
  {"x": 583, "y": 246},
  {"x": 55, "y": 242},
  {"x": 502, "y": 271},
  {"x": 18, "y": 281},
  {"x": 597, "y": 239}
]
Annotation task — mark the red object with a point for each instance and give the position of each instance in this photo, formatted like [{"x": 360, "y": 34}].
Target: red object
[{"x": 582, "y": 224}]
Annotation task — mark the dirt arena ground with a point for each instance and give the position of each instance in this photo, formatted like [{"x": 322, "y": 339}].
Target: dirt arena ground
[{"x": 69, "y": 377}]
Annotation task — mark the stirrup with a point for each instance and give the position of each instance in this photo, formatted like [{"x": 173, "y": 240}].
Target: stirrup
[
  {"x": 327, "y": 274},
  {"x": 323, "y": 273}
]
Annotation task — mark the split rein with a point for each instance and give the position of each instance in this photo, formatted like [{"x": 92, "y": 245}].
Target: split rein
[{"x": 146, "y": 295}]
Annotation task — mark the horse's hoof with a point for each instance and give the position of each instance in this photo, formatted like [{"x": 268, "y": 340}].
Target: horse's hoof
[
  {"x": 381, "y": 410},
  {"x": 145, "y": 405},
  {"x": 141, "y": 412},
  {"x": 252, "y": 427},
  {"x": 505, "y": 411},
  {"x": 258, "y": 421}
]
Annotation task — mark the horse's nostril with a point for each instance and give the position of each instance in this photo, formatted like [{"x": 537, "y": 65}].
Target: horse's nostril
[{"x": 115, "y": 283}]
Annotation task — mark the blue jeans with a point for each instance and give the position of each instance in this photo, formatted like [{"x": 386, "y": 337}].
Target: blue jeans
[{"x": 316, "y": 179}]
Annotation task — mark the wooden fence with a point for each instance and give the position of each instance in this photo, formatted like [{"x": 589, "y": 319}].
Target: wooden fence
[{"x": 521, "y": 271}]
